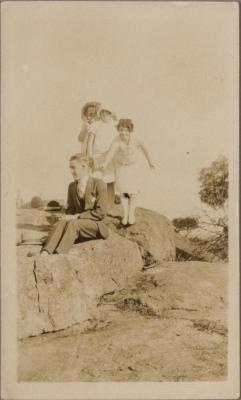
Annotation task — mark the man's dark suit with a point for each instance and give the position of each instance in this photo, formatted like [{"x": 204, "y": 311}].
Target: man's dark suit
[{"x": 88, "y": 224}]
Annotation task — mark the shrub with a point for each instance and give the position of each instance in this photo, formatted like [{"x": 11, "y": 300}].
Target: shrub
[
  {"x": 37, "y": 202},
  {"x": 53, "y": 203},
  {"x": 186, "y": 223},
  {"x": 214, "y": 183}
]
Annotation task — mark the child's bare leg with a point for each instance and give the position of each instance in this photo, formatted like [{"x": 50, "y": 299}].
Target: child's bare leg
[
  {"x": 125, "y": 206},
  {"x": 132, "y": 208}
]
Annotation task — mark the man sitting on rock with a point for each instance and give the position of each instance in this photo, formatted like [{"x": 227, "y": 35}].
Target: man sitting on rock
[{"x": 86, "y": 209}]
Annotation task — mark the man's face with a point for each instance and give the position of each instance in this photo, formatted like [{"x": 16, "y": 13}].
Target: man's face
[
  {"x": 90, "y": 113},
  {"x": 79, "y": 170}
]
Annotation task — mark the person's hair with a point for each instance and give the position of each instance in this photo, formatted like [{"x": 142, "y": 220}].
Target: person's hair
[
  {"x": 94, "y": 104},
  {"x": 125, "y": 123},
  {"x": 105, "y": 111},
  {"x": 110, "y": 113},
  {"x": 81, "y": 158}
]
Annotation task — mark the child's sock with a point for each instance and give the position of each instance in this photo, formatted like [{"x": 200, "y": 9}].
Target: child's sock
[{"x": 124, "y": 203}]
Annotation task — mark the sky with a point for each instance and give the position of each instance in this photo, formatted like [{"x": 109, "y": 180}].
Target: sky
[{"x": 170, "y": 67}]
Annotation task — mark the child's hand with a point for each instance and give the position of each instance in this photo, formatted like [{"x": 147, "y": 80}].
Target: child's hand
[{"x": 152, "y": 166}]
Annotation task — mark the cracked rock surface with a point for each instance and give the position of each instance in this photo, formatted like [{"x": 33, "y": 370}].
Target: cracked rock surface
[{"x": 55, "y": 292}]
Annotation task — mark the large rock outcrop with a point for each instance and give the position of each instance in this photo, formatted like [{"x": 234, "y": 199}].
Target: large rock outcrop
[
  {"x": 58, "y": 291},
  {"x": 55, "y": 292},
  {"x": 168, "y": 323}
]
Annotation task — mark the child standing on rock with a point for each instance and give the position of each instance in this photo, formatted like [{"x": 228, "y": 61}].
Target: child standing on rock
[
  {"x": 125, "y": 149},
  {"x": 100, "y": 138}
]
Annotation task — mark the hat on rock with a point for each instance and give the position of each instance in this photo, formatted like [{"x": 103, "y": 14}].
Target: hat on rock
[{"x": 53, "y": 205}]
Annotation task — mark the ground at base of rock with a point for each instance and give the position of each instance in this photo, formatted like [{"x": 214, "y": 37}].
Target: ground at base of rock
[{"x": 126, "y": 348}]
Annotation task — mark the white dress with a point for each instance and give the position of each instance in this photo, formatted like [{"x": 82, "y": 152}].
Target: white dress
[
  {"x": 127, "y": 165},
  {"x": 104, "y": 134}
]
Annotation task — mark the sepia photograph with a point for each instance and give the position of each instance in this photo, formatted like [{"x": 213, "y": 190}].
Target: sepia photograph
[{"x": 120, "y": 199}]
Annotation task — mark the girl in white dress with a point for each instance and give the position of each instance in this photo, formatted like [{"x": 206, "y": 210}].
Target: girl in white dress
[
  {"x": 100, "y": 138},
  {"x": 89, "y": 115},
  {"x": 125, "y": 150}
]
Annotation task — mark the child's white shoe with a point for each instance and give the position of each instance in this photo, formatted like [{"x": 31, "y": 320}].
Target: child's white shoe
[{"x": 124, "y": 221}]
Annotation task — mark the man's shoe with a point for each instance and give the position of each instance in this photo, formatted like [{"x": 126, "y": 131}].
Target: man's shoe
[{"x": 44, "y": 253}]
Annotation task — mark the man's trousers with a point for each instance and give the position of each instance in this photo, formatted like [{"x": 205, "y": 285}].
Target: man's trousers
[{"x": 67, "y": 232}]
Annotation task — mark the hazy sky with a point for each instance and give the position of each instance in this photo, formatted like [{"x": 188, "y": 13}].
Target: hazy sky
[{"x": 171, "y": 67}]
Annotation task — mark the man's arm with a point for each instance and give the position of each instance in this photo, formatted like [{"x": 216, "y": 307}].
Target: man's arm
[{"x": 100, "y": 209}]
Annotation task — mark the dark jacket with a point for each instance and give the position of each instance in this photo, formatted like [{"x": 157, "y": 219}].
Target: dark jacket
[{"x": 94, "y": 206}]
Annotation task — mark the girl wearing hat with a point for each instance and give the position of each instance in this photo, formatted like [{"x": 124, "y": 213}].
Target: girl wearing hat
[
  {"x": 126, "y": 148},
  {"x": 89, "y": 114}
]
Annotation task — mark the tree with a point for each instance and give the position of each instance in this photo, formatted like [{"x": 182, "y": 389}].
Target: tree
[
  {"x": 36, "y": 202},
  {"x": 214, "y": 192},
  {"x": 214, "y": 183}
]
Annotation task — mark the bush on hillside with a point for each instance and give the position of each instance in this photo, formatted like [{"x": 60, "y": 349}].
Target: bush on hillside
[{"x": 36, "y": 202}]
